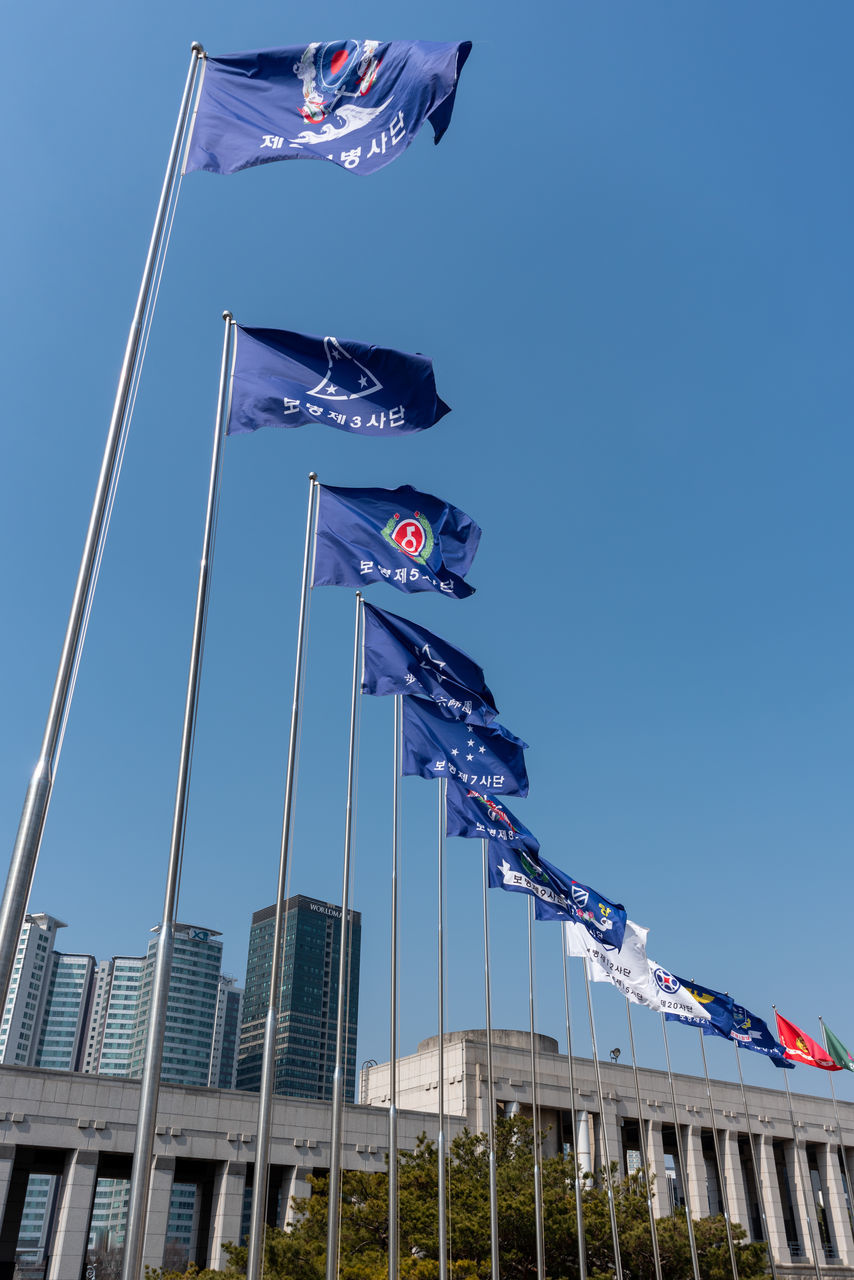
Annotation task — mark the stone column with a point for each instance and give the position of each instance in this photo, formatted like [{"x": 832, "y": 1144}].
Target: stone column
[
  {"x": 162, "y": 1177},
  {"x": 71, "y": 1236},
  {"x": 655, "y": 1155},
  {"x": 297, "y": 1187},
  {"x": 226, "y": 1209},
  {"x": 835, "y": 1207},
  {"x": 736, "y": 1187},
  {"x": 697, "y": 1194},
  {"x": 803, "y": 1198},
  {"x": 770, "y": 1186},
  {"x": 7, "y": 1161}
]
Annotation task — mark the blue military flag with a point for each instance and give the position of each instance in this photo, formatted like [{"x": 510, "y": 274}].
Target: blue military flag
[
  {"x": 750, "y": 1032},
  {"x": 476, "y": 816},
  {"x": 717, "y": 1004},
  {"x": 410, "y": 540},
  {"x": 487, "y": 758},
  {"x": 604, "y": 919},
  {"x": 517, "y": 872},
  {"x": 284, "y": 379},
  {"x": 358, "y": 103},
  {"x": 400, "y": 657}
]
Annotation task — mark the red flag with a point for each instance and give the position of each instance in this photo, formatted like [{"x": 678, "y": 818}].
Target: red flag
[{"x": 802, "y": 1048}]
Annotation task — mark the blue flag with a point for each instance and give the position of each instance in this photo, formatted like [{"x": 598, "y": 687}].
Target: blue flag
[
  {"x": 284, "y": 379},
  {"x": 487, "y": 758},
  {"x": 358, "y": 103},
  {"x": 400, "y": 657},
  {"x": 718, "y": 1006},
  {"x": 518, "y": 872},
  {"x": 750, "y": 1032},
  {"x": 604, "y": 919},
  {"x": 410, "y": 540},
  {"x": 480, "y": 817}
]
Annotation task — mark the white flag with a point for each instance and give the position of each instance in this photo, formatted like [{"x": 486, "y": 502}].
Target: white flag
[{"x": 631, "y": 971}]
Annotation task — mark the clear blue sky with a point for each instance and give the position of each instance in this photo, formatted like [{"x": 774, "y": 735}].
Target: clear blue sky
[{"x": 630, "y": 259}]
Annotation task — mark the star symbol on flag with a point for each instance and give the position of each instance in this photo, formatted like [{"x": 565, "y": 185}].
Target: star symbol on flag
[
  {"x": 505, "y": 868},
  {"x": 332, "y": 389},
  {"x": 363, "y": 381},
  {"x": 336, "y": 354},
  {"x": 470, "y": 742},
  {"x": 469, "y": 757},
  {"x": 455, "y": 751},
  {"x": 482, "y": 750}
]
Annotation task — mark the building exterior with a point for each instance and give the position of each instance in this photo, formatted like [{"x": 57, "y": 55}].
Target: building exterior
[
  {"x": 305, "y": 1045},
  {"x": 226, "y": 1036},
  {"x": 46, "y": 1011}
]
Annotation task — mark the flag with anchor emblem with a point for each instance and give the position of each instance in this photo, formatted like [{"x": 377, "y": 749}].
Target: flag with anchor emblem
[
  {"x": 400, "y": 657},
  {"x": 358, "y": 103},
  {"x": 284, "y": 379},
  {"x": 410, "y": 540},
  {"x": 486, "y": 757}
]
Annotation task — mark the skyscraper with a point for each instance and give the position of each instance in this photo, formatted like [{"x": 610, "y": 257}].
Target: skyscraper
[
  {"x": 229, "y": 1012},
  {"x": 46, "y": 1011},
  {"x": 308, "y": 1008}
]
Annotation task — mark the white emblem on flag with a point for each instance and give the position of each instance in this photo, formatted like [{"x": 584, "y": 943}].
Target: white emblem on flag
[
  {"x": 344, "y": 381},
  {"x": 579, "y": 895}
]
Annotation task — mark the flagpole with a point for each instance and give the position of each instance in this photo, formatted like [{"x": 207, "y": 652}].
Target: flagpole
[
  {"x": 22, "y": 865},
  {"x": 695, "y": 1262},
  {"x": 150, "y": 1084},
  {"x": 799, "y": 1173},
  {"x": 756, "y": 1170},
  {"x": 440, "y": 1145},
  {"x": 721, "y": 1170},
  {"x": 490, "y": 1083},
  {"x": 393, "y": 1192},
  {"x": 579, "y": 1207},
  {"x": 535, "y": 1103},
  {"x": 838, "y": 1126},
  {"x": 656, "y": 1256},
  {"x": 615, "y": 1237},
  {"x": 332, "y": 1242},
  {"x": 255, "y": 1257}
]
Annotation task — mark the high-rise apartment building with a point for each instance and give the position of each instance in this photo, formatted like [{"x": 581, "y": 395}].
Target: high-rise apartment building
[
  {"x": 308, "y": 1008},
  {"x": 229, "y": 1013},
  {"x": 47, "y": 1008}
]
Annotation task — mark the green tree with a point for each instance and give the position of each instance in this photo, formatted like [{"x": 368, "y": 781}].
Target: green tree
[{"x": 300, "y": 1254}]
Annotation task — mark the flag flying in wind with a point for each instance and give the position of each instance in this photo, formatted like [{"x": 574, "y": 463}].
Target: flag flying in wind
[
  {"x": 750, "y": 1032},
  {"x": 401, "y": 657},
  {"x": 716, "y": 1004},
  {"x": 410, "y": 540},
  {"x": 284, "y": 379},
  {"x": 479, "y": 817},
  {"x": 837, "y": 1050},
  {"x": 604, "y": 919},
  {"x": 802, "y": 1048},
  {"x": 489, "y": 758},
  {"x": 632, "y": 972},
  {"x": 517, "y": 871},
  {"x": 358, "y": 103}
]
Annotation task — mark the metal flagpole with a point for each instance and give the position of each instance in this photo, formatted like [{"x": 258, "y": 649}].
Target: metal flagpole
[
  {"x": 440, "y": 1144},
  {"x": 393, "y": 1190},
  {"x": 721, "y": 1170},
  {"x": 25, "y": 853},
  {"x": 490, "y": 1081},
  {"x": 334, "y": 1218},
  {"x": 535, "y": 1102},
  {"x": 149, "y": 1086},
  {"x": 656, "y": 1256},
  {"x": 799, "y": 1172},
  {"x": 695, "y": 1262},
  {"x": 756, "y": 1171},
  {"x": 268, "y": 1059},
  {"x": 579, "y": 1207},
  {"x": 615, "y": 1237},
  {"x": 838, "y": 1127}
]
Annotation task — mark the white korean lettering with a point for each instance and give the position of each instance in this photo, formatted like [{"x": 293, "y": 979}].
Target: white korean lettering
[
  {"x": 397, "y": 417},
  {"x": 272, "y": 141},
  {"x": 397, "y": 129},
  {"x": 350, "y": 159},
  {"x": 291, "y": 406},
  {"x": 366, "y": 566}
]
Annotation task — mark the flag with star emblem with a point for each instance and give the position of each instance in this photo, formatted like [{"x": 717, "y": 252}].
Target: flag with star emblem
[
  {"x": 476, "y": 816},
  {"x": 837, "y": 1050},
  {"x": 400, "y": 657},
  {"x": 489, "y": 758},
  {"x": 800, "y": 1047},
  {"x": 717, "y": 1004},
  {"x": 518, "y": 871},
  {"x": 750, "y": 1032},
  {"x": 284, "y": 379},
  {"x": 632, "y": 972},
  {"x": 410, "y": 540},
  {"x": 358, "y": 103}
]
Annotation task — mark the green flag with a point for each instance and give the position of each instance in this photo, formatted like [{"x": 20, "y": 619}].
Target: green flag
[{"x": 837, "y": 1050}]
